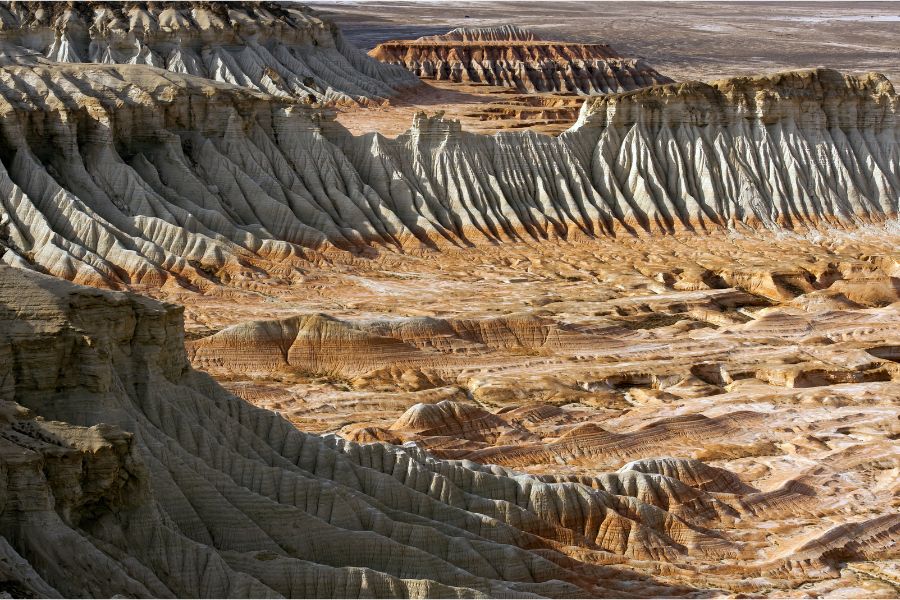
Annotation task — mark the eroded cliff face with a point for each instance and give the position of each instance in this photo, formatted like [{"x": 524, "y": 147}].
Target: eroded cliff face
[
  {"x": 517, "y": 58},
  {"x": 126, "y": 472},
  {"x": 788, "y": 149},
  {"x": 284, "y": 50},
  {"x": 129, "y": 174}
]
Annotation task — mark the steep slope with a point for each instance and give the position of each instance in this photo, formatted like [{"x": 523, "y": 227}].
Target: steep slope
[
  {"x": 130, "y": 174},
  {"x": 516, "y": 57},
  {"x": 282, "y": 49},
  {"x": 126, "y": 472}
]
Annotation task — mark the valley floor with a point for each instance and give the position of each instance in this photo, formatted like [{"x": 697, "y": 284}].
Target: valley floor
[
  {"x": 772, "y": 357},
  {"x": 480, "y": 108}
]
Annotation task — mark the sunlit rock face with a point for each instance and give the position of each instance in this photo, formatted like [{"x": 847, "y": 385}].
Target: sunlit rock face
[
  {"x": 115, "y": 174},
  {"x": 284, "y": 50},
  {"x": 515, "y": 57}
]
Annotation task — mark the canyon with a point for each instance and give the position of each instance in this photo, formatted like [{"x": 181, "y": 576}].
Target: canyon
[{"x": 484, "y": 312}]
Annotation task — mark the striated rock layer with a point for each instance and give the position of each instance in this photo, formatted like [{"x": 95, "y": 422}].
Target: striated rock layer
[
  {"x": 281, "y": 49},
  {"x": 322, "y": 344},
  {"x": 130, "y": 174},
  {"x": 744, "y": 382},
  {"x": 126, "y": 472},
  {"x": 515, "y": 57}
]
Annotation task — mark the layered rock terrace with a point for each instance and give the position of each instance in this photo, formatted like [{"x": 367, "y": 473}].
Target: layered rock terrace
[
  {"x": 174, "y": 177},
  {"x": 517, "y": 58}
]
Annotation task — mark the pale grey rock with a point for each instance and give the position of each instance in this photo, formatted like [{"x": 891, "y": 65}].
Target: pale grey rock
[
  {"x": 282, "y": 49},
  {"x": 124, "y": 471},
  {"x": 496, "y": 33},
  {"x": 130, "y": 174}
]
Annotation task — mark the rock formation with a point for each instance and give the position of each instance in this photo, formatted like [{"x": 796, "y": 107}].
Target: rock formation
[
  {"x": 695, "y": 394},
  {"x": 322, "y": 344},
  {"x": 282, "y": 49},
  {"x": 126, "y": 472},
  {"x": 515, "y": 57},
  {"x": 131, "y": 174}
]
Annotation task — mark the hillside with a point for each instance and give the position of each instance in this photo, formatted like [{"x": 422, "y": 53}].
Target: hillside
[
  {"x": 166, "y": 175},
  {"x": 282, "y": 49}
]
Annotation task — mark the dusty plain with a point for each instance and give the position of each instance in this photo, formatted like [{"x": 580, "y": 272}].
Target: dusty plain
[{"x": 684, "y": 40}]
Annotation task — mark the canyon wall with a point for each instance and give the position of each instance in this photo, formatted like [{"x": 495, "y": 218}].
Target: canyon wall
[
  {"x": 282, "y": 49},
  {"x": 130, "y": 174},
  {"x": 517, "y": 58}
]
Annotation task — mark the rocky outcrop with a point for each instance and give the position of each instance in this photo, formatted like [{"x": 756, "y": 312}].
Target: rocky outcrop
[
  {"x": 459, "y": 420},
  {"x": 692, "y": 472},
  {"x": 306, "y": 344},
  {"x": 515, "y": 57},
  {"x": 281, "y": 49},
  {"x": 589, "y": 442},
  {"x": 133, "y": 175},
  {"x": 496, "y": 33},
  {"x": 325, "y": 345},
  {"x": 124, "y": 471}
]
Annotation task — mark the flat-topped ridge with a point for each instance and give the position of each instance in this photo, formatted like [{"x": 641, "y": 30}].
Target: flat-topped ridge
[{"x": 515, "y": 57}]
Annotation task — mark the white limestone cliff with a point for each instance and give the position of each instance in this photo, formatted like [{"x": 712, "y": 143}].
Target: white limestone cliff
[
  {"x": 130, "y": 174},
  {"x": 282, "y": 49}
]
